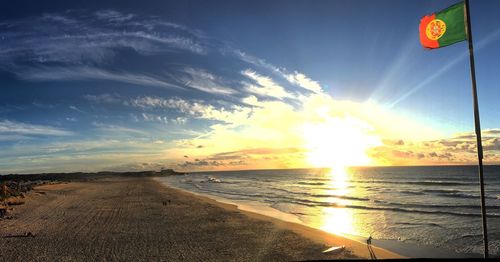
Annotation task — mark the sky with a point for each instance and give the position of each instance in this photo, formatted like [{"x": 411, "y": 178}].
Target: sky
[{"x": 225, "y": 85}]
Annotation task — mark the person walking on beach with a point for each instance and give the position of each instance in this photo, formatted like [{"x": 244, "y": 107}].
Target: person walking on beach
[{"x": 370, "y": 248}]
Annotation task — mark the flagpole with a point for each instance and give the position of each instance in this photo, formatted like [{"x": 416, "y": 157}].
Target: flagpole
[{"x": 478, "y": 128}]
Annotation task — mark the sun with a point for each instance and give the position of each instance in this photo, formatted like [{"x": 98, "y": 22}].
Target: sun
[{"x": 339, "y": 142}]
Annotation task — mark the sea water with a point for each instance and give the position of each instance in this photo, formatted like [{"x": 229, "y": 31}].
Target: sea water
[{"x": 437, "y": 206}]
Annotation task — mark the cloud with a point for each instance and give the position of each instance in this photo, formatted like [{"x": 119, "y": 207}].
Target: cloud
[
  {"x": 204, "y": 81},
  {"x": 163, "y": 119},
  {"x": 80, "y": 35},
  {"x": 14, "y": 127},
  {"x": 240, "y": 158},
  {"x": 197, "y": 109},
  {"x": 115, "y": 130},
  {"x": 250, "y": 59},
  {"x": 59, "y": 19},
  {"x": 104, "y": 98},
  {"x": 155, "y": 118},
  {"x": 85, "y": 73},
  {"x": 253, "y": 116},
  {"x": 304, "y": 81},
  {"x": 252, "y": 101},
  {"x": 265, "y": 86},
  {"x": 276, "y": 123},
  {"x": 180, "y": 120},
  {"x": 295, "y": 78},
  {"x": 76, "y": 109},
  {"x": 392, "y": 142},
  {"x": 74, "y": 40},
  {"x": 113, "y": 16},
  {"x": 198, "y": 163},
  {"x": 248, "y": 153},
  {"x": 491, "y": 132},
  {"x": 159, "y": 23},
  {"x": 212, "y": 164},
  {"x": 458, "y": 149}
]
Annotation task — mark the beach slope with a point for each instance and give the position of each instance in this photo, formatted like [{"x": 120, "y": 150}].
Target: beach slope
[{"x": 137, "y": 218}]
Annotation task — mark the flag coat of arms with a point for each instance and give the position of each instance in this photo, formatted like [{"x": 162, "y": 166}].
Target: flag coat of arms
[{"x": 443, "y": 28}]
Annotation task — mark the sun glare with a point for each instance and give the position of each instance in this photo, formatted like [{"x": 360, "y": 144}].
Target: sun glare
[
  {"x": 337, "y": 218},
  {"x": 339, "y": 142}
]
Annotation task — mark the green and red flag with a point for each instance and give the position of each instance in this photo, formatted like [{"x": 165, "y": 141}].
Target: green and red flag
[{"x": 443, "y": 28}]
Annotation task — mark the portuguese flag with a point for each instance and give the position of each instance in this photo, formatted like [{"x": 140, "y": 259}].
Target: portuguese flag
[{"x": 443, "y": 28}]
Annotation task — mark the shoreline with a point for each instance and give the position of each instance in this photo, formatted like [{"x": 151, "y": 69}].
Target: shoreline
[
  {"x": 358, "y": 247},
  {"x": 394, "y": 248}
]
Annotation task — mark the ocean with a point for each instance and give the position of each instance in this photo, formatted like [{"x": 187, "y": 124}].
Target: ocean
[{"x": 432, "y": 206}]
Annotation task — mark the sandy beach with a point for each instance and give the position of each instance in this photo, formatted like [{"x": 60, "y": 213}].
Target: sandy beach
[{"x": 137, "y": 218}]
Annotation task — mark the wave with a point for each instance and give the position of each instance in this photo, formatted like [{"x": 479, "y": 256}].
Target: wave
[
  {"x": 324, "y": 179},
  {"x": 273, "y": 198},
  {"x": 416, "y": 205},
  {"x": 228, "y": 192},
  {"x": 398, "y": 207},
  {"x": 465, "y": 196},
  {"x": 411, "y": 192},
  {"x": 471, "y": 236},
  {"x": 418, "y": 224},
  {"x": 413, "y": 182},
  {"x": 434, "y": 212},
  {"x": 441, "y": 191},
  {"x": 447, "y": 193},
  {"x": 311, "y": 183},
  {"x": 310, "y": 203},
  {"x": 321, "y": 195}
]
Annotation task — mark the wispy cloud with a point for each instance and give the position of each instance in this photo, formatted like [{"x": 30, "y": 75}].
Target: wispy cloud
[
  {"x": 246, "y": 112},
  {"x": 196, "y": 109},
  {"x": 250, "y": 59},
  {"x": 304, "y": 81},
  {"x": 296, "y": 78},
  {"x": 76, "y": 109},
  {"x": 155, "y": 118},
  {"x": 114, "y": 130},
  {"x": 265, "y": 86},
  {"x": 113, "y": 16},
  {"x": 83, "y": 73},
  {"x": 14, "y": 127},
  {"x": 164, "y": 119},
  {"x": 204, "y": 81},
  {"x": 59, "y": 19},
  {"x": 74, "y": 39},
  {"x": 104, "y": 98}
]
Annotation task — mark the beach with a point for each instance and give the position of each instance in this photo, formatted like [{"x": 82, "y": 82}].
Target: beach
[
  {"x": 417, "y": 212},
  {"x": 138, "y": 218}
]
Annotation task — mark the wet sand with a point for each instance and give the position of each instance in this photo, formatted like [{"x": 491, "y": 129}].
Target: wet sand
[{"x": 137, "y": 218}]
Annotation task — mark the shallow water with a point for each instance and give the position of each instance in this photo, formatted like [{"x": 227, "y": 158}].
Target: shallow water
[{"x": 434, "y": 206}]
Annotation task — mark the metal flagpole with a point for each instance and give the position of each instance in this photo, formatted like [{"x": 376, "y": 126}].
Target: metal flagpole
[{"x": 478, "y": 128}]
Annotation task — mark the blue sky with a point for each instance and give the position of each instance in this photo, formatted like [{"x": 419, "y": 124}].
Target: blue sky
[{"x": 138, "y": 85}]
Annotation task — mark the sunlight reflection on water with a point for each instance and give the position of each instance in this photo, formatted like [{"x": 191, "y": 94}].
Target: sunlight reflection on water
[{"x": 336, "y": 218}]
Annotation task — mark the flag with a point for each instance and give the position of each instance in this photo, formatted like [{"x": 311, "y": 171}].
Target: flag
[{"x": 443, "y": 28}]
